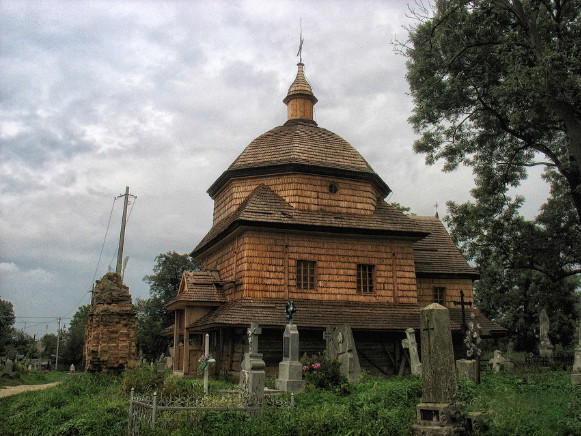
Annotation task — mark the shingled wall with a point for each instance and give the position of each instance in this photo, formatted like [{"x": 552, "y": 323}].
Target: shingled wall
[{"x": 110, "y": 334}]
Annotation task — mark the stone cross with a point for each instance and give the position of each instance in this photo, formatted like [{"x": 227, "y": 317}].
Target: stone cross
[
  {"x": 439, "y": 383},
  {"x": 545, "y": 348},
  {"x": 438, "y": 366},
  {"x": 253, "y": 332},
  {"x": 290, "y": 370},
  {"x": 497, "y": 361},
  {"x": 411, "y": 345},
  {"x": 252, "y": 375}
]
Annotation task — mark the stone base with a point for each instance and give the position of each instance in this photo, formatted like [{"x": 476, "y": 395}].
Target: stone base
[
  {"x": 428, "y": 430},
  {"x": 290, "y": 376},
  {"x": 434, "y": 419},
  {"x": 290, "y": 385},
  {"x": 576, "y": 378}
]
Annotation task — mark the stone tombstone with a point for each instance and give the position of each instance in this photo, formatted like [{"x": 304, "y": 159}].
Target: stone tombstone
[
  {"x": 161, "y": 365},
  {"x": 341, "y": 346},
  {"x": 9, "y": 367},
  {"x": 411, "y": 345},
  {"x": 508, "y": 363},
  {"x": 467, "y": 370},
  {"x": 497, "y": 362},
  {"x": 545, "y": 347},
  {"x": 290, "y": 370},
  {"x": 439, "y": 384},
  {"x": 72, "y": 369},
  {"x": 252, "y": 374},
  {"x": 576, "y": 373}
]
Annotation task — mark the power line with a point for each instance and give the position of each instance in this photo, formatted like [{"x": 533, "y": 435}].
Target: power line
[{"x": 104, "y": 239}]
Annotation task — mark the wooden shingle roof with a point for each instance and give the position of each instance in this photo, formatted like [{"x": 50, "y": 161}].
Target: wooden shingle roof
[
  {"x": 264, "y": 208},
  {"x": 437, "y": 254},
  {"x": 320, "y": 314},
  {"x": 300, "y": 146},
  {"x": 199, "y": 287},
  {"x": 300, "y": 86}
]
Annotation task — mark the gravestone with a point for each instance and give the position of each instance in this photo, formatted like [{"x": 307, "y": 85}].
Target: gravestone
[
  {"x": 290, "y": 370},
  {"x": 341, "y": 346},
  {"x": 508, "y": 363},
  {"x": 469, "y": 369},
  {"x": 497, "y": 362},
  {"x": 576, "y": 374},
  {"x": 439, "y": 385},
  {"x": 9, "y": 367},
  {"x": 545, "y": 348},
  {"x": 72, "y": 369},
  {"x": 411, "y": 345},
  {"x": 252, "y": 375},
  {"x": 160, "y": 366}
]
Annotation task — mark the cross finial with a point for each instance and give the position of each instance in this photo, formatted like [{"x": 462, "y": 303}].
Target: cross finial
[
  {"x": 301, "y": 40},
  {"x": 436, "y": 207}
]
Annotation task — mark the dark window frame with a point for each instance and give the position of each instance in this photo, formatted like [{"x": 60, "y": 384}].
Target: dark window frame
[
  {"x": 365, "y": 278},
  {"x": 439, "y": 295},
  {"x": 306, "y": 275}
]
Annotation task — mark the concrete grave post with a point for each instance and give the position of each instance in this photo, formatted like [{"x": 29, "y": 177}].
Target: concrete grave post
[
  {"x": 341, "y": 346},
  {"x": 439, "y": 385},
  {"x": 545, "y": 347},
  {"x": 469, "y": 369},
  {"x": 160, "y": 366},
  {"x": 497, "y": 362},
  {"x": 252, "y": 374},
  {"x": 290, "y": 370},
  {"x": 576, "y": 374},
  {"x": 9, "y": 367},
  {"x": 412, "y": 346}
]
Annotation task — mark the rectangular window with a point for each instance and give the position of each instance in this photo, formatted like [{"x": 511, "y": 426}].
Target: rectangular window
[
  {"x": 365, "y": 278},
  {"x": 439, "y": 295},
  {"x": 305, "y": 274}
]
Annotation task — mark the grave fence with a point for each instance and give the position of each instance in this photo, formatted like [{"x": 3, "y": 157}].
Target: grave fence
[
  {"x": 147, "y": 413},
  {"x": 555, "y": 362}
]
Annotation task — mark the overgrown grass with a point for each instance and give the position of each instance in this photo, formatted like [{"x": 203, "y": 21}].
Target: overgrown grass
[
  {"x": 33, "y": 378},
  {"x": 84, "y": 404},
  {"x": 533, "y": 404}
]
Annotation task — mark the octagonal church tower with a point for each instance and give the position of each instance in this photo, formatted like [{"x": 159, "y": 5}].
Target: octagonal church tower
[{"x": 300, "y": 215}]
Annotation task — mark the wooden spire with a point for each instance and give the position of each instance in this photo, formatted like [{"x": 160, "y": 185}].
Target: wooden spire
[{"x": 300, "y": 98}]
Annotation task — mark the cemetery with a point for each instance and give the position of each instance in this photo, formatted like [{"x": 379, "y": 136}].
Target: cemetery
[{"x": 312, "y": 306}]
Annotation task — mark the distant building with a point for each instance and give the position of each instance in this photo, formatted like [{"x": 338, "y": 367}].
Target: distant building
[{"x": 301, "y": 216}]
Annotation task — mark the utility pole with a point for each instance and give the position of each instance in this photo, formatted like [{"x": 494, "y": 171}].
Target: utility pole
[
  {"x": 58, "y": 339},
  {"x": 122, "y": 235}
]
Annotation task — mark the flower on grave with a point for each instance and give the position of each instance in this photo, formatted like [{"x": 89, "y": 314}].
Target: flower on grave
[
  {"x": 305, "y": 368},
  {"x": 203, "y": 362}
]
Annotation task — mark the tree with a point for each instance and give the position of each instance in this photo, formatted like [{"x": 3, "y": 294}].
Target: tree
[
  {"x": 152, "y": 316},
  {"x": 496, "y": 86},
  {"x": 48, "y": 342},
  {"x": 525, "y": 266},
  {"x": 6, "y": 322},
  {"x": 73, "y": 339}
]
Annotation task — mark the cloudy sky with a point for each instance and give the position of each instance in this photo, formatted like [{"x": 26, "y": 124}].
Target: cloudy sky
[{"x": 162, "y": 96}]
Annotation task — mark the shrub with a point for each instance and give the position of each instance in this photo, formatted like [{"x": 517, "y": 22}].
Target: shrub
[
  {"x": 142, "y": 378},
  {"x": 324, "y": 373}
]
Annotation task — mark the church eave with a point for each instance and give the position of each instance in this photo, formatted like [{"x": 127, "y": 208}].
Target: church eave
[
  {"x": 415, "y": 235},
  {"x": 381, "y": 186}
]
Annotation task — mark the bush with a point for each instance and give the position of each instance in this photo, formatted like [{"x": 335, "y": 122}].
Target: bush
[
  {"x": 324, "y": 373},
  {"x": 142, "y": 378}
]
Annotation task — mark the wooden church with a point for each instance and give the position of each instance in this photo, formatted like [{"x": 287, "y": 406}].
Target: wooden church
[{"x": 300, "y": 215}]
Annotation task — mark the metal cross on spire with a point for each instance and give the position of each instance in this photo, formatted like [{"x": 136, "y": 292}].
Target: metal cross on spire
[{"x": 301, "y": 40}]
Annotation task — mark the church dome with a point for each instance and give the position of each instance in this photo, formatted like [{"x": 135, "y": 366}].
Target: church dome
[{"x": 300, "y": 146}]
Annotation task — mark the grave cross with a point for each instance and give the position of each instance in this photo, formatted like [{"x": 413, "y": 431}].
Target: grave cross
[
  {"x": 463, "y": 304},
  {"x": 253, "y": 331}
]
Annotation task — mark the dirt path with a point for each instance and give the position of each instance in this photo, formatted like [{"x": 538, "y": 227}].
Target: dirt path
[{"x": 13, "y": 390}]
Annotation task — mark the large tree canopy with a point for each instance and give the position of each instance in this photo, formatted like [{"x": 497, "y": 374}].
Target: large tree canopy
[{"x": 497, "y": 85}]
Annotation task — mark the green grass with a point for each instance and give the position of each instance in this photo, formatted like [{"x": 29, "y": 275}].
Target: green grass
[
  {"x": 542, "y": 403},
  {"x": 34, "y": 378}
]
